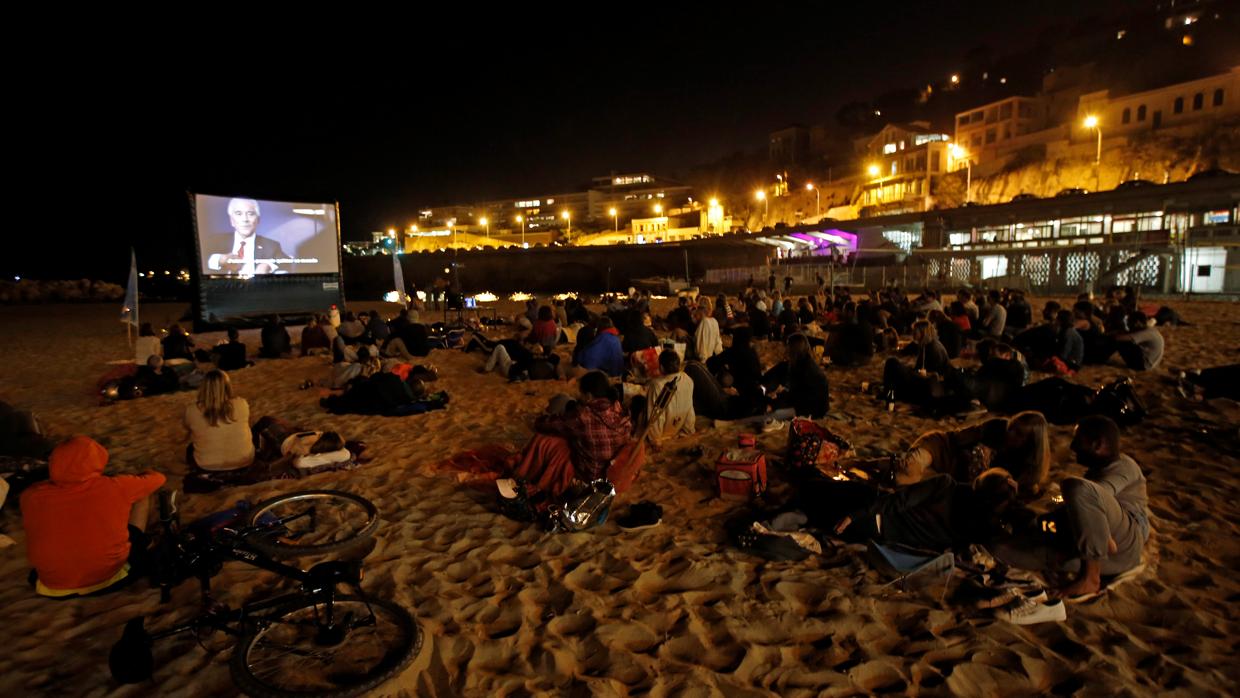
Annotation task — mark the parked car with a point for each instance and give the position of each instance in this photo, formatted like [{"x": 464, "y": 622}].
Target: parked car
[
  {"x": 1024, "y": 197},
  {"x": 1133, "y": 184},
  {"x": 1211, "y": 174},
  {"x": 1072, "y": 191}
]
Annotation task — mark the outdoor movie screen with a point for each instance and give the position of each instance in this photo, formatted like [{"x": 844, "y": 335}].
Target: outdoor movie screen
[{"x": 239, "y": 237}]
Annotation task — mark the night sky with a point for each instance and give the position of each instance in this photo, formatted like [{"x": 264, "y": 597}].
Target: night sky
[{"x": 389, "y": 113}]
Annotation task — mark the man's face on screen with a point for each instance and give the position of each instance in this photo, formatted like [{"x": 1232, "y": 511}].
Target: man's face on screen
[{"x": 244, "y": 215}]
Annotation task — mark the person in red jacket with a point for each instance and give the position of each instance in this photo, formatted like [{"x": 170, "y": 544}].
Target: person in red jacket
[{"x": 84, "y": 530}]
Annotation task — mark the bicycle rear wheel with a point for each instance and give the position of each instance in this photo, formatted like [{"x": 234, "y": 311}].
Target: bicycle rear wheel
[
  {"x": 311, "y": 522},
  {"x": 304, "y": 653}
]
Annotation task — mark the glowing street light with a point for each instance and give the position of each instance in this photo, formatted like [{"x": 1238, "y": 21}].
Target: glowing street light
[
  {"x": 955, "y": 79},
  {"x": 391, "y": 232},
  {"x": 873, "y": 170},
  {"x": 959, "y": 153},
  {"x": 714, "y": 202},
  {"x": 569, "y": 223},
  {"x": 658, "y": 209},
  {"x": 1091, "y": 121},
  {"x": 817, "y": 199},
  {"x": 614, "y": 217},
  {"x": 766, "y": 205},
  {"x": 521, "y": 220},
  {"x": 485, "y": 224}
]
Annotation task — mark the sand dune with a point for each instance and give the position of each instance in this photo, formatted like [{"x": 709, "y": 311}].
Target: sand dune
[{"x": 672, "y": 610}]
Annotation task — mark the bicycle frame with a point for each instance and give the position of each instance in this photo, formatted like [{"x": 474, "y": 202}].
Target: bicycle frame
[{"x": 317, "y": 584}]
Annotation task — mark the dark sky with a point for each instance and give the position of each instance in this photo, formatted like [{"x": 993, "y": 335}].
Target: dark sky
[{"x": 386, "y": 113}]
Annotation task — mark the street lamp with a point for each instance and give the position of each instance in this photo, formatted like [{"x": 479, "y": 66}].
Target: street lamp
[
  {"x": 615, "y": 218},
  {"x": 569, "y": 230},
  {"x": 959, "y": 153},
  {"x": 817, "y": 199},
  {"x": 486, "y": 225},
  {"x": 521, "y": 220},
  {"x": 658, "y": 209},
  {"x": 1091, "y": 121},
  {"x": 766, "y": 205}
]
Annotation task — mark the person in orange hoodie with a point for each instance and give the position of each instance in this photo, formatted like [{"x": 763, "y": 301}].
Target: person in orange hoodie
[{"x": 84, "y": 530}]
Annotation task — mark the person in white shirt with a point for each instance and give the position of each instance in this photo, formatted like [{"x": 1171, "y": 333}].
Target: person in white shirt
[
  {"x": 146, "y": 345},
  {"x": 219, "y": 427},
  {"x": 248, "y": 253},
  {"x": 707, "y": 341},
  {"x": 677, "y": 416}
]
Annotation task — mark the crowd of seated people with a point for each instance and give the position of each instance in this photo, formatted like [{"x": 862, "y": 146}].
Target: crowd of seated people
[{"x": 949, "y": 489}]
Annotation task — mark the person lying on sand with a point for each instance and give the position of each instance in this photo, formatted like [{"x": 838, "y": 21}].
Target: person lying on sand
[
  {"x": 938, "y": 513},
  {"x": 1209, "y": 383},
  {"x": 156, "y": 378},
  {"x": 225, "y": 449},
  {"x": 376, "y": 390},
  {"x": 1104, "y": 522},
  {"x": 84, "y": 530},
  {"x": 1020, "y": 445},
  {"x": 349, "y": 361}
]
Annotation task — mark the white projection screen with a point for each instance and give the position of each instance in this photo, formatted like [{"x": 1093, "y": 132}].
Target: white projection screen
[{"x": 242, "y": 237}]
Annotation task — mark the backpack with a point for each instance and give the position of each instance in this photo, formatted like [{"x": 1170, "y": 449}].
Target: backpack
[
  {"x": 740, "y": 474},
  {"x": 1119, "y": 401},
  {"x": 812, "y": 446}
]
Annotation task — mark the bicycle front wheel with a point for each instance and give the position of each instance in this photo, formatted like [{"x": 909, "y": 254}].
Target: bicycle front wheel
[
  {"x": 311, "y": 522},
  {"x": 334, "y": 650}
]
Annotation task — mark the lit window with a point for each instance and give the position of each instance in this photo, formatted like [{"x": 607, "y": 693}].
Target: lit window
[{"x": 889, "y": 148}]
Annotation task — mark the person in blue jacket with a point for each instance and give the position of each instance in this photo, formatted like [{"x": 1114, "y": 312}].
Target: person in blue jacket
[{"x": 604, "y": 352}]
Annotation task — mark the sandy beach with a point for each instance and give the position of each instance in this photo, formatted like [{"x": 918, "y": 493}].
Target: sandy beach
[{"x": 673, "y": 610}]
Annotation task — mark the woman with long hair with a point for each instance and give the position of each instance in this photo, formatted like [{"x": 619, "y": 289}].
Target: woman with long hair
[
  {"x": 1020, "y": 445},
  {"x": 219, "y": 426},
  {"x": 798, "y": 381}
]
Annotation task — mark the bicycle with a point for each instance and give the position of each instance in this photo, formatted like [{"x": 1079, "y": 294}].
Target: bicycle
[{"x": 314, "y": 641}]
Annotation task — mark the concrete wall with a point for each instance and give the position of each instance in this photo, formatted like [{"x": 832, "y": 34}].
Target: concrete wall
[{"x": 549, "y": 270}]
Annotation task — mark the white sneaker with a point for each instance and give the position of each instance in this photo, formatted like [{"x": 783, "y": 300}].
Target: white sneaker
[
  {"x": 1020, "y": 596},
  {"x": 1034, "y": 612}
]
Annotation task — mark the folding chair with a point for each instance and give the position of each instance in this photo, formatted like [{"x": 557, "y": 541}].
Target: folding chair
[{"x": 905, "y": 562}]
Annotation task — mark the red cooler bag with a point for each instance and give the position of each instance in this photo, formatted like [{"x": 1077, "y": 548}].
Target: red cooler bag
[{"x": 741, "y": 474}]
